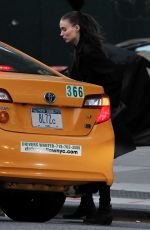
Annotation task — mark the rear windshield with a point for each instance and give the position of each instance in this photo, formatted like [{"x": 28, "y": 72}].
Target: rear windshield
[{"x": 13, "y": 61}]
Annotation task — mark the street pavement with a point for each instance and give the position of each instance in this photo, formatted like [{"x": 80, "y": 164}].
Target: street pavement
[{"x": 130, "y": 191}]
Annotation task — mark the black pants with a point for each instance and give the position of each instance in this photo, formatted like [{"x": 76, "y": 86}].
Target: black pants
[{"x": 104, "y": 197}]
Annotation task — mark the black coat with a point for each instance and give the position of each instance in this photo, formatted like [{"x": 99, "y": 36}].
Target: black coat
[
  {"x": 114, "y": 68},
  {"x": 135, "y": 92}
]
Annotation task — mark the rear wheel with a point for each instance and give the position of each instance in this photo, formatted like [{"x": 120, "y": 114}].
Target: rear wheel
[{"x": 31, "y": 206}]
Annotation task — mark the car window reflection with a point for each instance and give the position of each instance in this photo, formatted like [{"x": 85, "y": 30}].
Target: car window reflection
[{"x": 145, "y": 48}]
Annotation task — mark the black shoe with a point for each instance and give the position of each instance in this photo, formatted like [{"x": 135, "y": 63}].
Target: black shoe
[
  {"x": 102, "y": 217},
  {"x": 81, "y": 212}
]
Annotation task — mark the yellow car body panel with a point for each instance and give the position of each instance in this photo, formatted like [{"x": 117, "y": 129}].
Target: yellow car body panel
[{"x": 94, "y": 164}]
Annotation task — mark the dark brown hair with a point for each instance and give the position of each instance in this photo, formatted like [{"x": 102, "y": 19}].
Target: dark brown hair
[{"x": 90, "y": 30}]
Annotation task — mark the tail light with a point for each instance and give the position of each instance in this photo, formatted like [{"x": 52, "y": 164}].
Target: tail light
[
  {"x": 5, "y": 96},
  {"x": 6, "y": 68},
  {"x": 100, "y": 102}
]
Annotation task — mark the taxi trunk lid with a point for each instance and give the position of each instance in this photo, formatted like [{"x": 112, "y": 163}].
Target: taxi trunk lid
[{"x": 31, "y": 110}]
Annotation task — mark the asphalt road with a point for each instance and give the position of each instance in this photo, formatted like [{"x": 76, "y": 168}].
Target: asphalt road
[{"x": 59, "y": 224}]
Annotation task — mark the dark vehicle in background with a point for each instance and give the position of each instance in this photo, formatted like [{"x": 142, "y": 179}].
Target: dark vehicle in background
[{"x": 139, "y": 45}]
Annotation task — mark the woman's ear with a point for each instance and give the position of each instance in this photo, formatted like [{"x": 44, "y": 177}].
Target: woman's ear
[{"x": 77, "y": 27}]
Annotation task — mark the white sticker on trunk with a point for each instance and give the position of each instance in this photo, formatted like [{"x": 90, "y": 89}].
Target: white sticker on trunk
[
  {"x": 74, "y": 91},
  {"x": 51, "y": 148}
]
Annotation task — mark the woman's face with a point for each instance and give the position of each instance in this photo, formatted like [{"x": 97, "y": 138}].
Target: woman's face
[{"x": 70, "y": 33}]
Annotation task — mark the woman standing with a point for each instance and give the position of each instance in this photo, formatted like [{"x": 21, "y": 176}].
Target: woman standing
[{"x": 92, "y": 65}]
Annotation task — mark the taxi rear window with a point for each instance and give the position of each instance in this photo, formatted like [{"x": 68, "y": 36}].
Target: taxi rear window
[{"x": 12, "y": 61}]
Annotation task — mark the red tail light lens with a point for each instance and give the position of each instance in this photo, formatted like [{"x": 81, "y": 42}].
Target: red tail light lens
[
  {"x": 5, "y": 96},
  {"x": 104, "y": 114},
  {"x": 6, "y": 68},
  {"x": 100, "y": 102}
]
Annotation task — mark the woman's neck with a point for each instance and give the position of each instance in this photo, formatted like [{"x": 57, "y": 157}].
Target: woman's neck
[{"x": 76, "y": 41}]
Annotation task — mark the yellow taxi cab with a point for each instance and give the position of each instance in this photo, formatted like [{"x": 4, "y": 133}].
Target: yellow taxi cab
[{"x": 55, "y": 134}]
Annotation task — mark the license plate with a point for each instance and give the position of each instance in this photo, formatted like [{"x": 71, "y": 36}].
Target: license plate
[{"x": 46, "y": 118}]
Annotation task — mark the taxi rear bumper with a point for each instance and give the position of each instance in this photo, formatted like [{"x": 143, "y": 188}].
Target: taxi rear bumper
[{"x": 93, "y": 164}]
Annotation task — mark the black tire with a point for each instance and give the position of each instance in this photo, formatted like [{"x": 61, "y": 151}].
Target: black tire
[{"x": 31, "y": 206}]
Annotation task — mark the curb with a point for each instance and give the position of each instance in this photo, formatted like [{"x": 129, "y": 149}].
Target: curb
[{"x": 132, "y": 215}]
